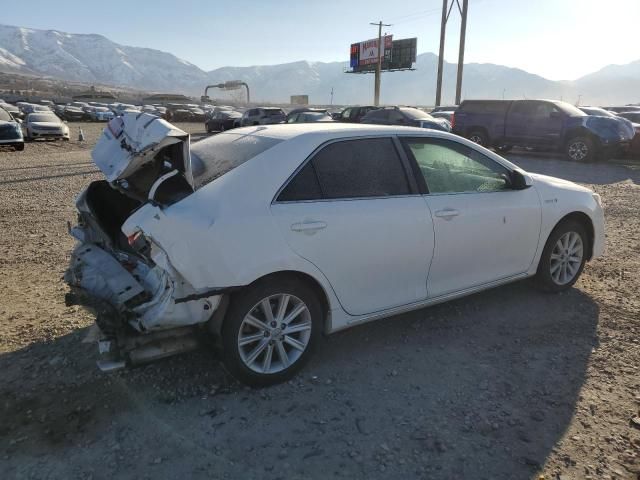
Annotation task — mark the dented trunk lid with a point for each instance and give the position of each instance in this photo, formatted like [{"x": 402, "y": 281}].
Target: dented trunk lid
[{"x": 132, "y": 140}]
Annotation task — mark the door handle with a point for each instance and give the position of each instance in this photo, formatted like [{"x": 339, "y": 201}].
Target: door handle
[
  {"x": 447, "y": 213},
  {"x": 308, "y": 226}
]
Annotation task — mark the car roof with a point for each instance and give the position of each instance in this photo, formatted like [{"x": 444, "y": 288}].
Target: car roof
[{"x": 287, "y": 131}]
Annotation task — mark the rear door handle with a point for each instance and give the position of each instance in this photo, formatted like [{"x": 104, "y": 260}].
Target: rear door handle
[
  {"x": 447, "y": 213},
  {"x": 308, "y": 226}
]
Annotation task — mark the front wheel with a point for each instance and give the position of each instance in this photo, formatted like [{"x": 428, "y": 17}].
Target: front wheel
[
  {"x": 580, "y": 149},
  {"x": 270, "y": 331},
  {"x": 19, "y": 147},
  {"x": 478, "y": 137},
  {"x": 563, "y": 257}
]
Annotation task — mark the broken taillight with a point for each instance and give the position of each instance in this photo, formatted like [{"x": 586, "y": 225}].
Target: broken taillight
[{"x": 134, "y": 237}]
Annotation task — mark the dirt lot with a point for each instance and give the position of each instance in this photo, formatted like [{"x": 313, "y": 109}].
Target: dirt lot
[{"x": 506, "y": 384}]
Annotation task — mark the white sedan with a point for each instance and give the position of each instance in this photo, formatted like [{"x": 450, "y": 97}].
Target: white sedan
[{"x": 270, "y": 236}]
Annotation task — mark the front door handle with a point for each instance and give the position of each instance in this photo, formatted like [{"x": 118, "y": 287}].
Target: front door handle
[
  {"x": 308, "y": 227},
  {"x": 447, "y": 213}
]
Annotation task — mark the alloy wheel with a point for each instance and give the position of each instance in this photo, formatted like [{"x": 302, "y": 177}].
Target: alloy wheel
[
  {"x": 566, "y": 258},
  {"x": 274, "y": 334},
  {"x": 578, "y": 151}
]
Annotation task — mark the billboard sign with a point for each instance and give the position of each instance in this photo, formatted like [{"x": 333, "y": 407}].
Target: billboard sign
[
  {"x": 398, "y": 55},
  {"x": 367, "y": 52}
]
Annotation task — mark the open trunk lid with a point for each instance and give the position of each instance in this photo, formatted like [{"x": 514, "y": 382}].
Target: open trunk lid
[{"x": 133, "y": 140}]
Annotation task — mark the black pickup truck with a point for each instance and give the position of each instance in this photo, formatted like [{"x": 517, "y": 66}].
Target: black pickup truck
[{"x": 541, "y": 124}]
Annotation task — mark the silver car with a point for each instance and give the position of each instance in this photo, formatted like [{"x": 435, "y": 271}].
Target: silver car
[{"x": 45, "y": 125}]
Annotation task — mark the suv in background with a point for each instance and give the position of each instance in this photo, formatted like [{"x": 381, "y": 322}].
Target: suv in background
[
  {"x": 406, "y": 116},
  {"x": 353, "y": 114},
  {"x": 262, "y": 116},
  {"x": 541, "y": 124},
  {"x": 10, "y": 131}
]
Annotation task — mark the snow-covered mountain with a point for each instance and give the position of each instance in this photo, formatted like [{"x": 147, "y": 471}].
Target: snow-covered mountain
[{"x": 94, "y": 58}]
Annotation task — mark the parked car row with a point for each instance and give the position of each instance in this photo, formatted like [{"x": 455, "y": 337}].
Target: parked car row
[
  {"x": 38, "y": 124},
  {"x": 407, "y": 116}
]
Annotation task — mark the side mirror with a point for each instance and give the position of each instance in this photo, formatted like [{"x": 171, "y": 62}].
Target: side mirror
[
  {"x": 18, "y": 120},
  {"x": 519, "y": 180}
]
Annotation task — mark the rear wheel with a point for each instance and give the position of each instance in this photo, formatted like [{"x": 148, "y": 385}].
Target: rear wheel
[
  {"x": 563, "y": 257},
  {"x": 270, "y": 331},
  {"x": 479, "y": 137},
  {"x": 19, "y": 147},
  {"x": 580, "y": 149}
]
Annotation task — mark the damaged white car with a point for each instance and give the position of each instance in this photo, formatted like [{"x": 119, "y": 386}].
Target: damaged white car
[{"x": 266, "y": 237}]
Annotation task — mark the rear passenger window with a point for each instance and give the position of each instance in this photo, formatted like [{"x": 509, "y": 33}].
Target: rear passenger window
[
  {"x": 304, "y": 186},
  {"x": 360, "y": 168},
  {"x": 350, "y": 169}
]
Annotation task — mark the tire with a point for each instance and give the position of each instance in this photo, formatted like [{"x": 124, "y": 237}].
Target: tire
[
  {"x": 549, "y": 276},
  {"x": 479, "y": 137},
  {"x": 503, "y": 148},
  {"x": 260, "y": 368},
  {"x": 19, "y": 147},
  {"x": 580, "y": 149}
]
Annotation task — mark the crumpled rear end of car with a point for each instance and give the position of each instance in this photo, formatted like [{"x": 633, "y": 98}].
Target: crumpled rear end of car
[{"x": 144, "y": 308}]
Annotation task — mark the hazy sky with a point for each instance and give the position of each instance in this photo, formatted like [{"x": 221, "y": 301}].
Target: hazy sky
[{"x": 558, "y": 39}]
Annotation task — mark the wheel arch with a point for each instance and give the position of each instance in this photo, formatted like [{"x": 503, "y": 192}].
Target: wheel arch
[
  {"x": 581, "y": 132},
  {"x": 216, "y": 321},
  {"x": 584, "y": 220},
  {"x": 470, "y": 130}
]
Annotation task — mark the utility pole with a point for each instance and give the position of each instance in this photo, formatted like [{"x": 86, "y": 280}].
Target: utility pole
[
  {"x": 463, "y": 34},
  {"x": 446, "y": 12},
  {"x": 331, "y": 96},
  {"x": 376, "y": 92},
  {"x": 443, "y": 29}
]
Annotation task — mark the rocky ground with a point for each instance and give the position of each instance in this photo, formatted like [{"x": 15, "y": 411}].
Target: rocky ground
[{"x": 506, "y": 384}]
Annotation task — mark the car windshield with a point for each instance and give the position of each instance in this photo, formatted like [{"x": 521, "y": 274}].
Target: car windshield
[
  {"x": 213, "y": 157},
  {"x": 4, "y": 116},
  {"x": 415, "y": 114},
  {"x": 597, "y": 111},
  {"x": 43, "y": 117},
  {"x": 273, "y": 113},
  {"x": 569, "y": 109}
]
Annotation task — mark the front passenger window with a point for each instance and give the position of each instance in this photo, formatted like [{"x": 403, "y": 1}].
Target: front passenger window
[{"x": 450, "y": 167}]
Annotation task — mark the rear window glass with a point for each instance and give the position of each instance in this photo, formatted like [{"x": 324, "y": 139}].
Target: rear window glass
[
  {"x": 272, "y": 113},
  {"x": 213, "y": 157}
]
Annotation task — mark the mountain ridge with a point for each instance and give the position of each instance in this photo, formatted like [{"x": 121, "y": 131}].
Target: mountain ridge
[{"x": 95, "y": 58}]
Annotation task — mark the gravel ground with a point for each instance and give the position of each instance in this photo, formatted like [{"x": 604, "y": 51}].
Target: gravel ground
[{"x": 506, "y": 384}]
